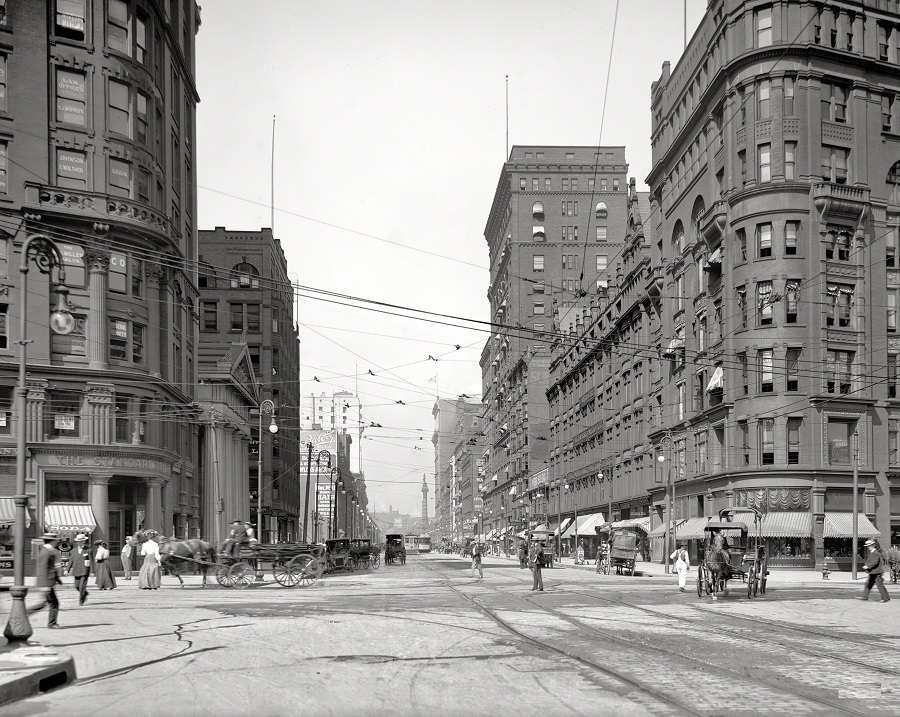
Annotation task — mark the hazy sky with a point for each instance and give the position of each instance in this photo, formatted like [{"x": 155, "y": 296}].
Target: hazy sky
[{"x": 390, "y": 135}]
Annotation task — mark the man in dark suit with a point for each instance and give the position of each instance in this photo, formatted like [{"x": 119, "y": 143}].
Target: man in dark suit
[
  {"x": 47, "y": 573},
  {"x": 80, "y": 567}
]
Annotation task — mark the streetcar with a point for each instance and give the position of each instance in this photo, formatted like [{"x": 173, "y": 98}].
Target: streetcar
[
  {"x": 410, "y": 544},
  {"x": 423, "y": 542}
]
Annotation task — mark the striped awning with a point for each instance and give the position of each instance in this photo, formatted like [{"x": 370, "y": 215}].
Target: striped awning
[
  {"x": 660, "y": 530},
  {"x": 69, "y": 516},
  {"x": 786, "y": 525},
  {"x": 634, "y": 523},
  {"x": 691, "y": 529},
  {"x": 8, "y": 512},
  {"x": 566, "y": 522},
  {"x": 840, "y": 525},
  {"x": 584, "y": 525}
]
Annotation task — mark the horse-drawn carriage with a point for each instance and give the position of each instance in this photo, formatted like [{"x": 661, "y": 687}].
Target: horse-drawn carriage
[
  {"x": 366, "y": 554},
  {"x": 291, "y": 564},
  {"x": 624, "y": 546},
  {"x": 893, "y": 559},
  {"x": 733, "y": 551},
  {"x": 394, "y": 549}
]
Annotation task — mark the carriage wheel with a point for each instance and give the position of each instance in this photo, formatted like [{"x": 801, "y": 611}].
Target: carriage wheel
[
  {"x": 283, "y": 575},
  {"x": 751, "y": 580},
  {"x": 222, "y": 576},
  {"x": 700, "y": 580},
  {"x": 304, "y": 571},
  {"x": 242, "y": 574},
  {"x": 763, "y": 573}
]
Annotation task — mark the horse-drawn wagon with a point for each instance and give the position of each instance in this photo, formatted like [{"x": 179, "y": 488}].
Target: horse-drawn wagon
[
  {"x": 625, "y": 544},
  {"x": 394, "y": 549},
  {"x": 733, "y": 551},
  {"x": 291, "y": 564},
  {"x": 366, "y": 554}
]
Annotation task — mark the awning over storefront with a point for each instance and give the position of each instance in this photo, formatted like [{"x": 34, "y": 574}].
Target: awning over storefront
[
  {"x": 691, "y": 529},
  {"x": 8, "y": 512},
  {"x": 674, "y": 345},
  {"x": 840, "y": 525},
  {"x": 717, "y": 380},
  {"x": 585, "y": 525},
  {"x": 634, "y": 523},
  {"x": 566, "y": 522},
  {"x": 660, "y": 530},
  {"x": 69, "y": 516},
  {"x": 542, "y": 527},
  {"x": 786, "y": 525},
  {"x": 715, "y": 257}
]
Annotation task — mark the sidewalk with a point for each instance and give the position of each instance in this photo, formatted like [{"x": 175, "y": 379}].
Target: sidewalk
[
  {"x": 27, "y": 668},
  {"x": 658, "y": 571}
]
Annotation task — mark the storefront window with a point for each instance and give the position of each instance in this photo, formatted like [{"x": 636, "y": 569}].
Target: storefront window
[
  {"x": 837, "y": 548},
  {"x": 789, "y": 548},
  {"x": 64, "y": 490}
]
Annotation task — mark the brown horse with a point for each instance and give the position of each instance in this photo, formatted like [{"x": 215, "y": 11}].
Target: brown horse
[
  {"x": 175, "y": 555},
  {"x": 719, "y": 570}
]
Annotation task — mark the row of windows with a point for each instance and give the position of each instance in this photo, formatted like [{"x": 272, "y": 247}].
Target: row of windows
[{"x": 568, "y": 184}]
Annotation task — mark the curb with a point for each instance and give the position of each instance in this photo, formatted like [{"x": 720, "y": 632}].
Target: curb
[{"x": 29, "y": 669}]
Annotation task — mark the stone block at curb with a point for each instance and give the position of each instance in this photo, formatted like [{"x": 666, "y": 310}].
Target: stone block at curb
[{"x": 30, "y": 669}]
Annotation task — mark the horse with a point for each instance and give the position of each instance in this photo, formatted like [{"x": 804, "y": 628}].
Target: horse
[
  {"x": 719, "y": 570},
  {"x": 176, "y": 554}
]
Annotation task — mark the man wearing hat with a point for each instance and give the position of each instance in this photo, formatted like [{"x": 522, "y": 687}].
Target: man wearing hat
[
  {"x": 236, "y": 539},
  {"x": 80, "y": 567},
  {"x": 875, "y": 567},
  {"x": 47, "y": 571}
]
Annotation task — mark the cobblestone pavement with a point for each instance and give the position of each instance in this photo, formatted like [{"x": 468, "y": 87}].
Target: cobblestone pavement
[{"x": 428, "y": 639}]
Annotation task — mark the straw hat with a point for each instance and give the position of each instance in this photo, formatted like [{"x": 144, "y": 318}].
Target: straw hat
[
  {"x": 81, "y": 538},
  {"x": 50, "y": 536}
]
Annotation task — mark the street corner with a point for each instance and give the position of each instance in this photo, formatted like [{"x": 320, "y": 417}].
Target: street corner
[{"x": 29, "y": 669}]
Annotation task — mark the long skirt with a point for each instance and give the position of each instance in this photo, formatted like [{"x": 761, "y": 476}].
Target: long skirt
[
  {"x": 149, "y": 577},
  {"x": 105, "y": 579}
]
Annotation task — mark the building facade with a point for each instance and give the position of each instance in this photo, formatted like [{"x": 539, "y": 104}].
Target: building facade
[
  {"x": 246, "y": 295},
  {"x": 557, "y": 217},
  {"x": 97, "y": 146}
]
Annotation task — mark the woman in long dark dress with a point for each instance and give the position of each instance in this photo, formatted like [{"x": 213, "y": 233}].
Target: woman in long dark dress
[{"x": 105, "y": 579}]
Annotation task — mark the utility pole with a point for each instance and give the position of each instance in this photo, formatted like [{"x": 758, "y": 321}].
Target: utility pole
[{"x": 309, "y": 448}]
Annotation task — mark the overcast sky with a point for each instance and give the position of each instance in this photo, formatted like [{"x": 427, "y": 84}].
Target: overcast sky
[{"x": 390, "y": 135}]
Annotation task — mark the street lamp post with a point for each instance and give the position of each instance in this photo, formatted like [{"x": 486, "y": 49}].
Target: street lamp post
[
  {"x": 319, "y": 456},
  {"x": 334, "y": 497},
  {"x": 855, "y": 538},
  {"x": 267, "y": 407},
  {"x": 670, "y": 498},
  {"x": 46, "y": 256}
]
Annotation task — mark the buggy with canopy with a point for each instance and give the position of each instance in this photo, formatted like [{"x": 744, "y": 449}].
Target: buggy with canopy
[{"x": 733, "y": 550}]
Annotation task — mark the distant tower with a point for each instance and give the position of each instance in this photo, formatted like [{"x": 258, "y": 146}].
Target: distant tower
[{"x": 424, "y": 501}]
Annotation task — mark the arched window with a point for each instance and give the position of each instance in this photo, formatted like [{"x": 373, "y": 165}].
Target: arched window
[
  {"x": 602, "y": 210},
  {"x": 678, "y": 237},
  {"x": 893, "y": 180},
  {"x": 244, "y": 276},
  {"x": 537, "y": 210},
  {"x": 697, "y": 215}
]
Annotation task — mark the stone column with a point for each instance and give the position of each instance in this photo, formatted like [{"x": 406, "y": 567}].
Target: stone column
[
  {"x": 818, "y": 525},
  {"x": 154, "y": 517},
  {"x": 98, "y": 494},
  {"x": 97, "y": 328}
]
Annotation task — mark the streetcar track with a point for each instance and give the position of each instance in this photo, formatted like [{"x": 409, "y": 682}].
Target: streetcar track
[{"x": 802, "y": 694}]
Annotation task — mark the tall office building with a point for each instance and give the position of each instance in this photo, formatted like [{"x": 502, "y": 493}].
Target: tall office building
[
  {"x": 97, "y": 157},
  {"x": 557, "y": 217}
]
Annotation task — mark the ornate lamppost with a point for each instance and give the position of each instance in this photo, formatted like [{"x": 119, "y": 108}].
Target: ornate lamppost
[
  {"x": 267, "y": 407},
  {"x": 46, "y": 256},
  {"x": 334, "y": 497}
]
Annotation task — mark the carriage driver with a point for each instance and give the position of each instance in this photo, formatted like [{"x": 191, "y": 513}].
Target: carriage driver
[
  {"x": 236, "y": 538},
  {"x": 721, "y": 544}
]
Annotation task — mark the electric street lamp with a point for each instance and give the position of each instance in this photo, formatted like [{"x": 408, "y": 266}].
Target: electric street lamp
[
  {"x": 46, "y": 256},
  {"x": 334, "y": 497},
  {"x": 267, "y": 407},
  {"x": 670, "y": 498},
  {"x": 319, "y": 456}
]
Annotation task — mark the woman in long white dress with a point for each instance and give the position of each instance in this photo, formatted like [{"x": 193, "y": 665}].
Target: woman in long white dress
[
  {"x": 105, "y": 578},
  {"x": 149, "y": 577}
]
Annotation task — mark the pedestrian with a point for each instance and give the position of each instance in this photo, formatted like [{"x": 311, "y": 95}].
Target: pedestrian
[
  {"x": 537, "y": 562},
  {"x": 523, "y": 555},
  {"x": 476, "y": 560},
  {"x": 149, "y": 577},
  {"x": 682, "y": 563},
  {"x": 875, "y": 567},
  {"x": 80, "y": 566},
  {"x": 47, "y": 576},
  {"x": 105, "y": 579},
  {"x": 236, "y": 538},
  {"x": 127, "y": 552}
]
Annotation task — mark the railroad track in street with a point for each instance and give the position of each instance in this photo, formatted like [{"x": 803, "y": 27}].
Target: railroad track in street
[{"x": 678, "y": 679}]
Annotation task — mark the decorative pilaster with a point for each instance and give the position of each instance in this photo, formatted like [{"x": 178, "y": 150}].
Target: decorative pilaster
[
  {"x": 155, "y": 281},
  {"x": 100, "y": 398},
  {"x": 154, "y": 516},
  {"x": 97, "y": 328}
]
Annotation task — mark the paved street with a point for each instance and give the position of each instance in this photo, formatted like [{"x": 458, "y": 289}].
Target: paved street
[{"x": 427, "y": 639}]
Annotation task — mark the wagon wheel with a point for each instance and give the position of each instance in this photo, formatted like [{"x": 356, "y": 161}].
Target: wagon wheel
[
  {"x": 283, "y": 575},
  {"x": 631, "y": 568},
  {"x": 751, "y": 580},
  {"x": 242, "y": 575},
  {"x": 222, "y": 576},
  {"x": 303, "y": 571},
  {"x": 700, "y": 569},
  {"x": 763, "y": 573}
]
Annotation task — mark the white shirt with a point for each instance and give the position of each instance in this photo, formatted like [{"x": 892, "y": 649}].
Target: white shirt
[
  {"x": 151, "y": 548},
  {"x": 681, "y": 555},
  {"x": 101, "y": 554}
]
